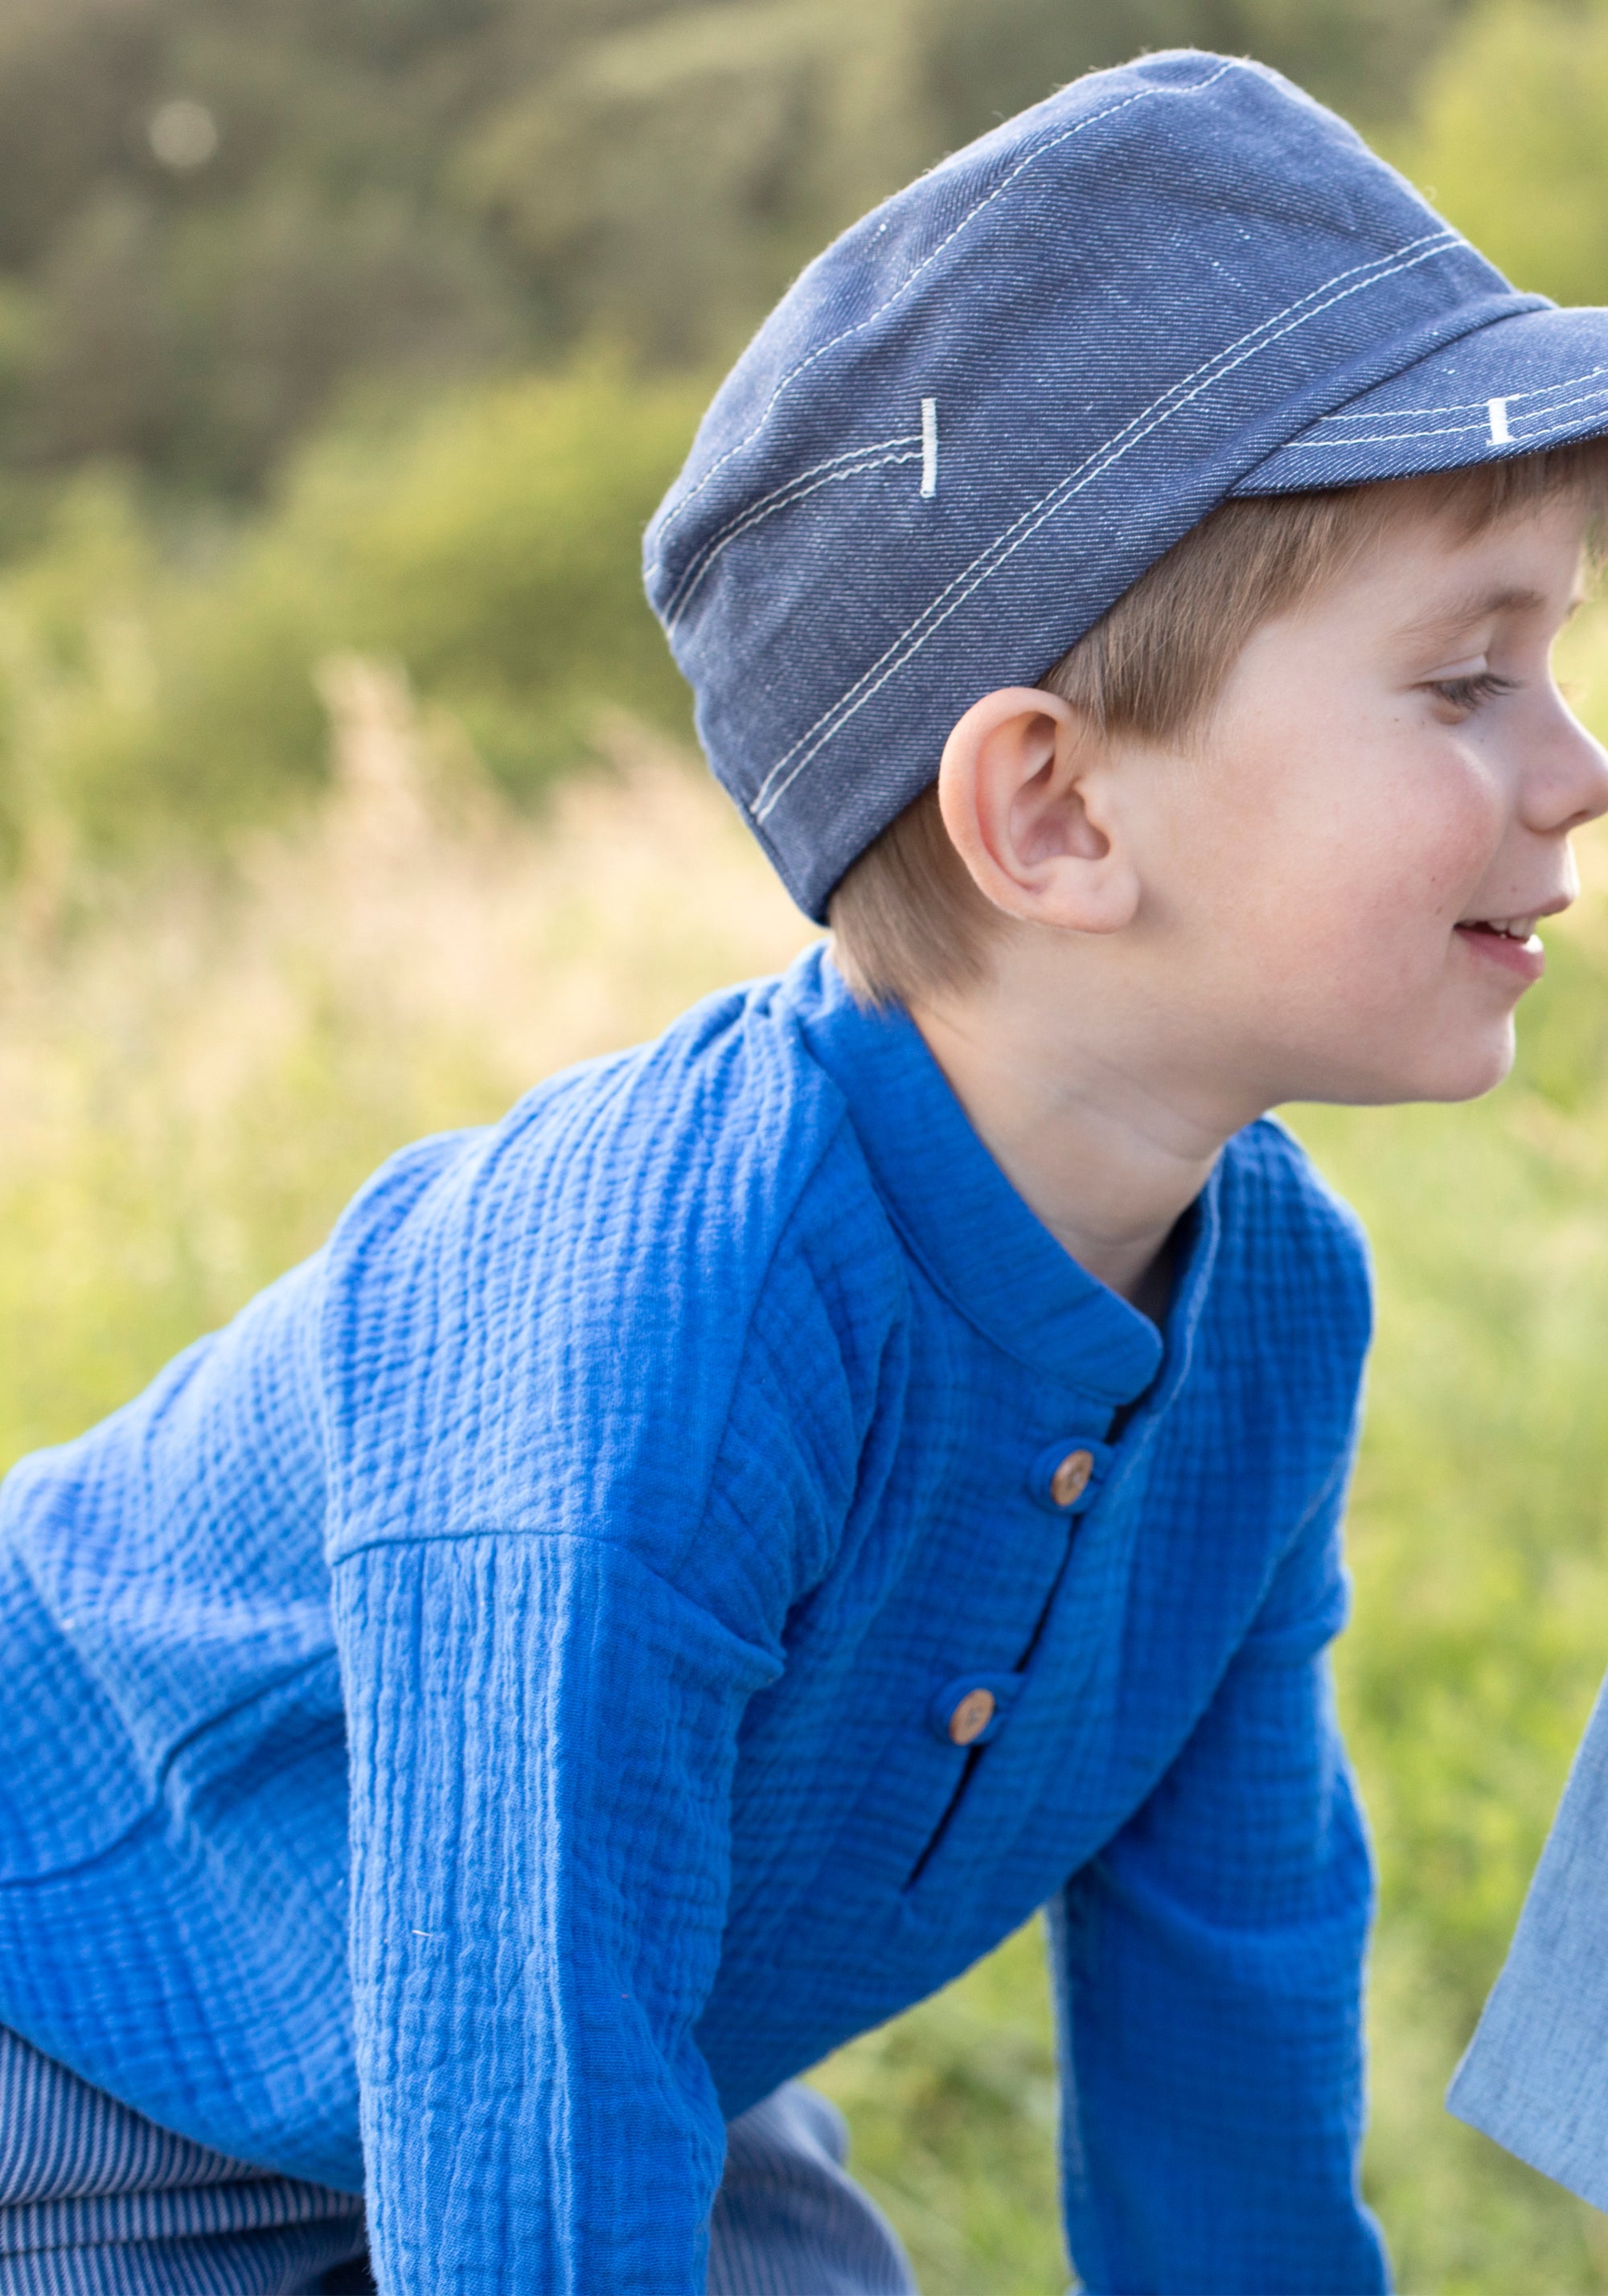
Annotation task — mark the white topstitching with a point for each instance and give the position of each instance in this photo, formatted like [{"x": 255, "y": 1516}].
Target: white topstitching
[
  {"x": 1029, "y": 160},
  {"x": 1004, "y": 545},
  {"x": 1540, "y": 420}
]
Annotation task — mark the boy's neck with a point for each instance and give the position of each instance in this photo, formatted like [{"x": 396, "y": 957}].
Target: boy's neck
[{"x": 1095, "y": 1148}]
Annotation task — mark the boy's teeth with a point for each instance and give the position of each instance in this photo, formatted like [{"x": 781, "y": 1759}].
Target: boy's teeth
[{"x": 1509, "y": 928}]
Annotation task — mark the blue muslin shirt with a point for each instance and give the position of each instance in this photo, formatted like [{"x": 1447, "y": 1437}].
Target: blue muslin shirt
[{"x": 483, "y": 1716}]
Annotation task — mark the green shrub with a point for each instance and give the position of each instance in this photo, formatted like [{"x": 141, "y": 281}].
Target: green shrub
[
  {"x": 1512, "y": 141},
  {"x": 153, "y": 693}
]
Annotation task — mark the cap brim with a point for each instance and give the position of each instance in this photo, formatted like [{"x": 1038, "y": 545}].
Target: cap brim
[{"x": 1520, "y": 384}]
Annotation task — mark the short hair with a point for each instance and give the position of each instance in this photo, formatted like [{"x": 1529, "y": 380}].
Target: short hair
[{"x": 907, "y": 920}]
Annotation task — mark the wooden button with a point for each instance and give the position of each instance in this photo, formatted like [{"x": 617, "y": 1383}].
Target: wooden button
[
  {"x": 971, "y": 1716},
  {"x": 1070, "y": 1479}
]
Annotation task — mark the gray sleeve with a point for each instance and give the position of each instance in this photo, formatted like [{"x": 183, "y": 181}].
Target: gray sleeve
[{"x": 1535, "y": 2076}]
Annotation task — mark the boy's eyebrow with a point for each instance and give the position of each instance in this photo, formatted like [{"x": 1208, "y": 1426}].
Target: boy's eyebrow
[{"x": 1482, "y": 606}]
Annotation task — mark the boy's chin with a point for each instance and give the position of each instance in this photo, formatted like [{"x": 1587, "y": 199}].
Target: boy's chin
[
  {"x": 1481, "y": 1071},
  {"x": 1459, "y": 1080},
  {"x": 1442, "y": 1073}
]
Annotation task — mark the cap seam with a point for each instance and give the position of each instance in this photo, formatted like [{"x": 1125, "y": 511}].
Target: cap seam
[
  {"x": 777, "y": 499},
  {"x": 854, "y": 464},
  {"x": 1029, "y": 160},
  {"x": 1540, "y": 417},
  {"x": 989, "y": 560},
  {"x": 1475, "y": 405}
]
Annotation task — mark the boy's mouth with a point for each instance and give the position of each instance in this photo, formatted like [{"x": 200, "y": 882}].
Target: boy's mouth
[{"x": 1511, "y": 942}]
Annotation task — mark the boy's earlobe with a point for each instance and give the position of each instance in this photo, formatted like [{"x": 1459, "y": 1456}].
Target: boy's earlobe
[{"x": 1023, "y": 788}]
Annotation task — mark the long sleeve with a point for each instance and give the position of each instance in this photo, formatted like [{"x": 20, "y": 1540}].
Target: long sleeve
[
  {"x": 543, "y": 1737},
  {"x": 1208, "y": 1980},
  {"x": 573, "y": 1497}
]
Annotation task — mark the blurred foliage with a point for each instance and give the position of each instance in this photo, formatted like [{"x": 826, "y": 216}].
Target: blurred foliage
[
  {"x": 218, "y": 215},
  {"x": 300, "y": 309},
  {"x": 490, "y": 541},
  {"x": 1512, "y": 140},
  {"x": 667, "y": 179}
]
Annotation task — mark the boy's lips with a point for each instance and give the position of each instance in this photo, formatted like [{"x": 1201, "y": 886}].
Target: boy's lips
[{"x": 1511, "y": 941}]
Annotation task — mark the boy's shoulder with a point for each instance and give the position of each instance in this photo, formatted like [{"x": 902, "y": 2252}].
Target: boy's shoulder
[
  {"x": 709, "y": 1139},
  {"x": 519, "y": 1317},
  {"x": 1282, "y": 1183}
]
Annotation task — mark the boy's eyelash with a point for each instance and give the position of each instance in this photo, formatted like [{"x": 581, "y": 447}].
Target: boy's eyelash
[{"x": 1468, "y": 692}]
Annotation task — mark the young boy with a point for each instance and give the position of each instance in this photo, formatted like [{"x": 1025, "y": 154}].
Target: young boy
[{"x": 684, "y": 1572}]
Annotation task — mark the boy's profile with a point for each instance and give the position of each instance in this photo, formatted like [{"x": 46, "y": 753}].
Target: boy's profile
[{"x": 685, "y": 1571}]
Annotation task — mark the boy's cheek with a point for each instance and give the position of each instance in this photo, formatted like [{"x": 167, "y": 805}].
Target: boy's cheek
[
  {"x": 1415, "y": 870},
  {"x": 1319, "y": 878}
]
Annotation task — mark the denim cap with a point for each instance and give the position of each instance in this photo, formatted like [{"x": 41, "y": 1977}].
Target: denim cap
[{"x": 986, "y": 408}]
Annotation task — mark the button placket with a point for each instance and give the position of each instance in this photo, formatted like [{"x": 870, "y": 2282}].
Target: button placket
[{"x": 970, "y": 1709}]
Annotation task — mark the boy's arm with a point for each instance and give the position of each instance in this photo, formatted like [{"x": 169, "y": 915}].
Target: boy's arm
[
  {"x": 1209, "y": 1978},
  {"x": 543, "y": 1736},
  {"x": 578, "y": 1487}
]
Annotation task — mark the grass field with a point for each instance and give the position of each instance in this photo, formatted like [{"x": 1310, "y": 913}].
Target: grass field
[{"x": 198, "y": 1070}]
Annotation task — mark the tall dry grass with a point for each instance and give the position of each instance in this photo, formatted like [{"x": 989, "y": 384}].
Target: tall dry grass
[{"x": 198, "y": 1068}]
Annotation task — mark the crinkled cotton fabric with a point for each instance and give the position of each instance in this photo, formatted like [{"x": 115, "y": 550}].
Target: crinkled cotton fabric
[{"x": 481, "y": 1721}]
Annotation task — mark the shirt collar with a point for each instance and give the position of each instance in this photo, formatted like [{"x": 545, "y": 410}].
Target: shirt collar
[{"x": 963, "y": 1220}]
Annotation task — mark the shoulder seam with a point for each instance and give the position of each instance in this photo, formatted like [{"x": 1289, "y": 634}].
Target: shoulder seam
[
  {"x": 784, "y": 1227},
  {"x": 469, "y": 1534}
]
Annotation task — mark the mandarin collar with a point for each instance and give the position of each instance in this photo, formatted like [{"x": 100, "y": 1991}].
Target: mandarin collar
[{"x": 959, "y": 1216}]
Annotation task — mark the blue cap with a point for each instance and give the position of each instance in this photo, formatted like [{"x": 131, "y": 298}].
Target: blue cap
[{"x": 984, "y": 410}]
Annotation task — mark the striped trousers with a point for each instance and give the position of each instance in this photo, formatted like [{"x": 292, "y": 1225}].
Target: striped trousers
[{"x": 96, "y": 2200}]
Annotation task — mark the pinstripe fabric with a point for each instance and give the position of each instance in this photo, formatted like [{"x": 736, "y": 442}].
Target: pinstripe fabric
[
  {"x": 788, "y": 2220},
  {"x": 96, "y": 2200}
]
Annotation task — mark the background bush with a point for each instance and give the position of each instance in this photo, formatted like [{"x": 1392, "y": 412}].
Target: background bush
[{"x": 490, "y": 541}]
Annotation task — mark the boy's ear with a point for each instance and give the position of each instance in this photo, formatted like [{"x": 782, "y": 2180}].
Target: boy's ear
[{"x": 1025, "y": 792}]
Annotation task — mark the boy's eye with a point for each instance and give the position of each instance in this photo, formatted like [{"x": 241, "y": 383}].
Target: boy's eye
[{"x": 1465, "y": 695}]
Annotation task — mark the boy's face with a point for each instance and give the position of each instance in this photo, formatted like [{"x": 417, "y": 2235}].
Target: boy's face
[{"x": 1349, "y": 863}]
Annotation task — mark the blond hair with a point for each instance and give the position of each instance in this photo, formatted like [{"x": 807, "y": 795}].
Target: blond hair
[{"x": 907, "y": 920}]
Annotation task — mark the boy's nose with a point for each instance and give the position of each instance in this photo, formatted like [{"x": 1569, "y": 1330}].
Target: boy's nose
[{"x": 1568, "y": 783}]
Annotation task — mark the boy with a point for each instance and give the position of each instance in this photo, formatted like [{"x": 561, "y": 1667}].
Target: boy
[{"x": 684, "y": 1572}]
